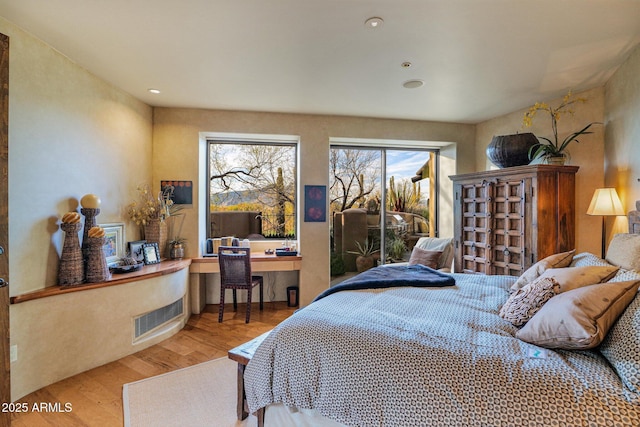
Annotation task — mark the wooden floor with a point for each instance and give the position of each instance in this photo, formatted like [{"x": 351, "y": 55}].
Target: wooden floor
[{"x": 96, "y": 395}]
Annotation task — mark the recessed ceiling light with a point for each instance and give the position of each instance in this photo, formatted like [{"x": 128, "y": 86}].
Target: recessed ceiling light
[
  {"x": 154, "y": 90},
  {"x": 374, "y": 22},
  {"x": 413, "y": 84}
]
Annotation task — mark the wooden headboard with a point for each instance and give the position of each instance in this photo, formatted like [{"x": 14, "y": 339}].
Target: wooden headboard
[{"x": 634, "y": 219}]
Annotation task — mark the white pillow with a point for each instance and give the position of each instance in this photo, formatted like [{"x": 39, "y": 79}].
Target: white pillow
[{"x": 624, "y": 251}]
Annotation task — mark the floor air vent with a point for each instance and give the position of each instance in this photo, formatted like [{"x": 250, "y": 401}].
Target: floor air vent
[{"x": 149, "y": 321}]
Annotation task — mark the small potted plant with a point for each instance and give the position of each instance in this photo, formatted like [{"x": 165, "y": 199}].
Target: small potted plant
[
  {"x": 366, "y": 258},
  {"x": 176, "y": 246},
  {"x": 397, "y": 249},
  {"x": 554, "y": 151}
]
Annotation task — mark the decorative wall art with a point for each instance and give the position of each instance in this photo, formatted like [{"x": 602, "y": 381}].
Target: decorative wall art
[
  {"x": 182, "y": 191},
  {"x": 315, "y": 205}
]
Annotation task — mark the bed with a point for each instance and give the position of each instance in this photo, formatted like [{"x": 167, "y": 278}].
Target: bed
[{"x": 450, "y": 354}]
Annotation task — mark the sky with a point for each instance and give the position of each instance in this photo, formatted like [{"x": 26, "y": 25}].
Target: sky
[{"x": 404, "y": 164}]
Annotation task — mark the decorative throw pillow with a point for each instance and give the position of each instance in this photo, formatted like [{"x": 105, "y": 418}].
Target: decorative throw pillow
[
  {"x": 587, "y": 259},
  {"x": 621, "y": 347},
  {"x": 525, "y": 302},
  {"x": 444, "y": 244},
  {"x": 552, "y": 261},
  {"x": 570, "y": 278},
  {"x": 425, "y": 257},
  {"x": 579, "y": 319},
  {"x": 623, "y": 275},
  {"x": 624, "y": 251}
]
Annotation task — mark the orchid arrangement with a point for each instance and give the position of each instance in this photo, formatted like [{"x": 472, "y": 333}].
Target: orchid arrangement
[{"x": 555, "y": 147}]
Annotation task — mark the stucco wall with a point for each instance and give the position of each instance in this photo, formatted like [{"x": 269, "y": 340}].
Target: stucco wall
[
  {"x": 64, "y": 335},
  {"x": 70, "y": 133},
  {"x": 622, "y": 135},
  {"x": 178, "y": 147},
  {"x": 588, "y": 154}
]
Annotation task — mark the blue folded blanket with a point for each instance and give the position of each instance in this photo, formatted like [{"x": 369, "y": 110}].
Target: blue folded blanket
[{"x": 393, "y": 276}]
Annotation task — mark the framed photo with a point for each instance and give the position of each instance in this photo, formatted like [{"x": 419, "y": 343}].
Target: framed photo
[
  {"x": 135, "y": 250},
  {"x": 151, "y": 253},
  {"x": 315, "y": 205},
  {"x": 114, "y": 246}
]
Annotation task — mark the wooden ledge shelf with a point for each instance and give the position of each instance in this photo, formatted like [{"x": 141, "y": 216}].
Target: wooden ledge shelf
[{"x": 146, "y": 272}]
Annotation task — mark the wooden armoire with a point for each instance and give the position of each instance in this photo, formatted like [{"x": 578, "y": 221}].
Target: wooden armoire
[{"x": 506, "y": 220}]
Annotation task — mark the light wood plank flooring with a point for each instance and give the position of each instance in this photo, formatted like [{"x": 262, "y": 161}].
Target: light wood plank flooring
[{"x": 96, "y": 395}]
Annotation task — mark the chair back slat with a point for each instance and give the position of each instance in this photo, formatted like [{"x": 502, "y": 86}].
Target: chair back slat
[{"x": 235, "y": 265}]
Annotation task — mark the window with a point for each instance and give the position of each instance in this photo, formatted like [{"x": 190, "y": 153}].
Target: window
[
  {"x": 394, "y": 188},
  {"x": 252, "y": 189}
]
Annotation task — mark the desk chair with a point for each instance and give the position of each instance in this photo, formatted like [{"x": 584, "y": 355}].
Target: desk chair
[{"x": 235, "y": 273}]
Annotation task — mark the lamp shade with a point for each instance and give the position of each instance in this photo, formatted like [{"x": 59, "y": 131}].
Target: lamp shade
[{"x": 605, "y": 201}]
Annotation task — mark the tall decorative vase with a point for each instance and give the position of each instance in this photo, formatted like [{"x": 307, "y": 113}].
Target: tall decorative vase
[
  {"x": 156, "y": 231},
  {"x": 71, "y": 269}
]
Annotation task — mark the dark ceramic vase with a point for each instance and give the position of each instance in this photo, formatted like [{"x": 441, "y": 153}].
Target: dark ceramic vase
[{"x": 506, "y": 151}]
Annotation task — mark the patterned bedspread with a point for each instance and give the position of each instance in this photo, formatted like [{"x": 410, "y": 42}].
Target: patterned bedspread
[{"x": 430, "y": 356}]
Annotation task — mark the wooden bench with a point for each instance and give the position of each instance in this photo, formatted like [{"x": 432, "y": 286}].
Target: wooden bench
[{"x": 243, "y": 354}]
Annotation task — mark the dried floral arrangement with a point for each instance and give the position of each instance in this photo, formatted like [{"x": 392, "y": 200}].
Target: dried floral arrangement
[{"x": 152, "y": 206}]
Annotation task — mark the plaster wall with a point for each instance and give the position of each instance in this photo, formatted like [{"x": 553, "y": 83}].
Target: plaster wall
[
  {"x": 63, "y": 335},
  {"x": 588, "y": 154},
  {"x": 622, "y": 135},
  {"x": 70, "y": 133},
  {"x": 178, "y": 147}
]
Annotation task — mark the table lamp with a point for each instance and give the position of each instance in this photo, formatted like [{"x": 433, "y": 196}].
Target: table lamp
[{"x": 605, "y": 202}]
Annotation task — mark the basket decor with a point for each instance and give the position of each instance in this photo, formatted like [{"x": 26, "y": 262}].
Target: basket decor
[
  {"x": 96, "y": 262},
  {"x": 156, "y": 231},
  {"x": 71, "y": 268}
]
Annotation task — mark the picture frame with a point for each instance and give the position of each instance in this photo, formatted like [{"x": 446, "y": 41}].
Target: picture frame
[
  {"x": 181, "y": 192},
  {"x": 315, "y": 203},
  {"x": 114, "y": 242},
  {"x": 135, "y": 250},
  {"x": 151, "y": 253}
]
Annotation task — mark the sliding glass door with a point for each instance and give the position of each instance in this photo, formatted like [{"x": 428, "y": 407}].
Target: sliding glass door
[{"x": 381, "y": 203}]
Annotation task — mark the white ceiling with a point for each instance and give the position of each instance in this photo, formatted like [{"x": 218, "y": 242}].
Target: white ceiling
[{"x": 478, "y": 58}]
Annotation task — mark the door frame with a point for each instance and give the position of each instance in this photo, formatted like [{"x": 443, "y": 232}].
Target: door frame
[{"x": 5, "y": 363}]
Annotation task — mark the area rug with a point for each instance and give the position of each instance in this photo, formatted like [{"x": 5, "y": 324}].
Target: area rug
[{"x": 200, "y": 395}]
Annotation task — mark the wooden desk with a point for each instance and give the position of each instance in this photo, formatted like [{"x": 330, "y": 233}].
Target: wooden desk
[{"x": 259, "y": 263}]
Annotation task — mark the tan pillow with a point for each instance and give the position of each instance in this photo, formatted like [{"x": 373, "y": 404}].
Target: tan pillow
[
  {"x": 570, "y": 278},
  {"x": 624, "y": 251},
  {"x": 581, "y": 318},
  {"x": 560, "y": 260},
  {"x": 425, "y": 257},
  {"x": 525, "y": 302}
]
